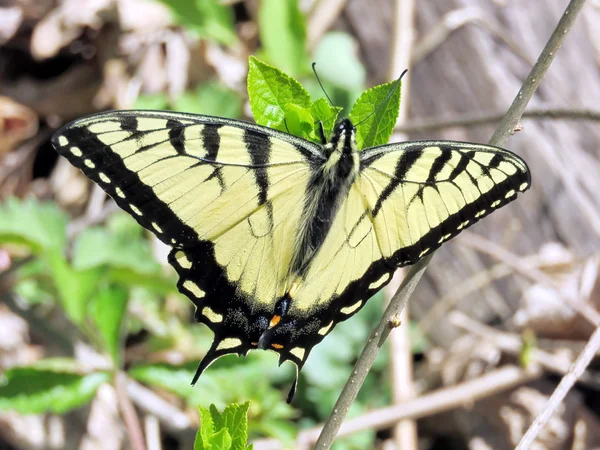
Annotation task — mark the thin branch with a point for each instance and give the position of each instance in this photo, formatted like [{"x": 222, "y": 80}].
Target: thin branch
[
  {"x": 512, "y": 344},
  {"x": 516, "y": 110},
  {"x": 321, "y": 19},
  {"x": 478, "y": 281},
  {"x": 561, "y": 391},
  {"x": 471, "y": 120},
  {"x": 488, "y": 247},
  {"x": 152, "y": 431},
  {"x": 129, "y": 414},
  {"x": 444, "y": 399},
  {"x": 456, "y": 19},
  {"x": 381, "y": 331},
  {"x": 405, "y": 434},
  {"x": 38, "y": 325},
  {"x": 148, "y": 401}
]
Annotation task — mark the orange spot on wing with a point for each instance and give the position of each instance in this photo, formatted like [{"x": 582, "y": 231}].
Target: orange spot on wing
[
  {"x": 275, "y": 320},
  {"x": 277, "y": 346}
]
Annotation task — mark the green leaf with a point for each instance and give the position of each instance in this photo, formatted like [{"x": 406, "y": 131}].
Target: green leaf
[
  {"x": 40, "y": 226},
  {"x": 33, "y": 292},
  {"x": 226, "y": 430},
  {"x": 33, "y": 282},
  {"x": 124, "y": 227},
  {"x": 210, "y": 98},
  {"x": 152, "y": 101},
  {"x": 207, "y": 19},
  {"x": 108, "y": 312},
  {"x": 323, "y": 112},
  {"x": 338, "y": 63},
  {"x": 374, "y": 114},
  {"x": 75, "y": 287},
  {"x": 527, "y": 353},
  {"x": 29, "y": 390},
  {"x": 58, "y": 364},
  {"x": 153, "y": 281},
  {"x": 206, "y": 430},
  {"x": 282, "y": 30},
  {"x": 271, "y": 92},
  {"x": 176, "y": 379},
  {"x": 221, "y": 440},
  {"x": 300, "y": 122},
  {"x": 221, "y": 385},
  {"x": 98, "y": 247},
  {"x": 235, "y": 419}
]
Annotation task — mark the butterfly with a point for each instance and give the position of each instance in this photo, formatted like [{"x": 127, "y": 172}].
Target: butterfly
[{"x": 277, "y": 239}]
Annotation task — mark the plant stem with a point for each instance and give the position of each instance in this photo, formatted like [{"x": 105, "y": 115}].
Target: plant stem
[
  {"x": 129, "y": 414},
  {"x": 398, "y": 302},
  {"x": 514, "y": 113},
  {"x": 470, "y": 120},
  {"x": 561, "y": 391}
]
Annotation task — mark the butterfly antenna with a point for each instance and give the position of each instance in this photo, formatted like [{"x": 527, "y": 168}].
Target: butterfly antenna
[
  {"x": 387, "y": 97},
  {"x": 314, "y": 64},
  {"x": 286, "y": 127}
]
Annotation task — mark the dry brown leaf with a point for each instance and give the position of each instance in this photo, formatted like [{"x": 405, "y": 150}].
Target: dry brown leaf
[
  {"x": 17, "y": 123},
  {"x": 65, "y": 23},
  {"x": 70, "y": 186},
  {"x": 544, "y": 308},
  {"x": 143, "y": 15}
]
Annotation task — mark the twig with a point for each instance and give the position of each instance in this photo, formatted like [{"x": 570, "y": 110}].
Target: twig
[
  {"x": 454, "y": 20},
  {"x": 484, "y": 245},
  {"x": 513, "y": 344},
  {"x": 148, "y": 401},
  {"x": 478, "y": 281},
  {"x": 450, "y": 300},
  {"x": 152, "y": 431},
  {"x": 37, "y": 324},
  {"x": 445, "y": 399},
  {"x": 561, "y": 391},
  {"x": 369, "y": 353},
  {"x": 130, "y": 417},
  {"x": 470, "y": 120},
  {"x": 378, "y": 336},
  {"x": 76, "y": 226},
  {"x": 405, "y": 434},
  {"x": 321, "y": 18},
  {"x": 514, "y": 113}
]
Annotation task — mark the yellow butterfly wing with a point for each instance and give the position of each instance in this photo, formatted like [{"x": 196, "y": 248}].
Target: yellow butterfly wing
[
  {"x": 408, "y": 199},
  {"x": 225, "y": 194},
  {"x": 231, "y": 198}
]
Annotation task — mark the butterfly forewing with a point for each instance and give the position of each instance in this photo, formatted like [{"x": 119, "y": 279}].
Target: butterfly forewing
[
  {"x": 226, "y": 195},
  {"x": 431, "y": 190}
]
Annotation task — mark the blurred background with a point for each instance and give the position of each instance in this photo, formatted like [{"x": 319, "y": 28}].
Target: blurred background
[{"x": 97, "y": 349}]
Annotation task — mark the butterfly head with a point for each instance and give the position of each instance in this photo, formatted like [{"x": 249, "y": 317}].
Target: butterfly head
[{"x": 343, "y": 138}]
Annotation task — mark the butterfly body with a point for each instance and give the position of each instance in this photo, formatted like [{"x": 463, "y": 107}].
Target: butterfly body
[
  {"x": 328, "y": 187},
  {"x": 276, "y": 239}
]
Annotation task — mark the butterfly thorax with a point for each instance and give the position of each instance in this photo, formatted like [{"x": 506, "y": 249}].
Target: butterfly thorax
[{"x": 327, "y": 187}]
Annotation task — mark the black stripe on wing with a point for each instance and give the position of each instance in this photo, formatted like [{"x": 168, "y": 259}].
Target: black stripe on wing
[{"x": 499, "y": 195}]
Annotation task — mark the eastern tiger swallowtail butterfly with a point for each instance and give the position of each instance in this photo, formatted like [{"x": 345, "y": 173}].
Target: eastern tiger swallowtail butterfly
[{"x": 277, "y": 239}]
